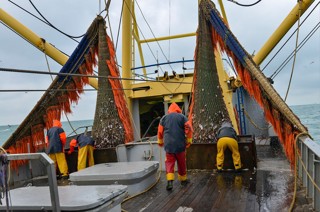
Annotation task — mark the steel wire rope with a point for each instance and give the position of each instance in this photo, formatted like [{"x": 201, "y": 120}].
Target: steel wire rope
[
  {"x": 38, "y": 18},
  {"x": 134, "y": 19},
  {"x": 71, "y": 70},
  {"x": 61, "y": 90},
  {"x": 132, "y": 121},
  {"x": 153, "y": 34},
  {"x": 84, "y": 75},
  {"x": 302, "y": 43},
  {"x": 289, "y": 38},
  {"x": 253, "y": 123},
  {"x": 48, "y": 66},
  {"x": 245, "y": 5},
  {"x": 169, "y": 40},
  {"x": 28, "y": 40},
  {"x": 65, "y": 74},
  {"x": 107, "y": 5},
  {"x": 295, "y": 53},
  {"x": 118, "y": 34},
  {"x": 70, "y": 36},
  {"x": 27, "y": 11}
]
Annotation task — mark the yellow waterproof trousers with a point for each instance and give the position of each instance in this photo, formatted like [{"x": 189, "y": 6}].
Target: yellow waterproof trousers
[
  {"x": 85, "y": 153},
  {"x": 60, "y": 159},
  {"x": 232, "y": 144}
]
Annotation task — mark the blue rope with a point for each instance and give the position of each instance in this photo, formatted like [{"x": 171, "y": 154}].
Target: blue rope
[
  {"x": 227, "y": 36},
  {"x": 76, "y": 59}
]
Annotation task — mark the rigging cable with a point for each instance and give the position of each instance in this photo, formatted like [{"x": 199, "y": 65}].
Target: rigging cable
[
  {"x": 28, "y": 40},
  {"x": 27, "y": 11},
  {"x": 118, "y": 34},
  {"x": 153, "y": 34},
  {"x": 290, "y": 37},
  {"x": 245, "y": 5},
  {"x": 84, "y": 75},
  {"x": 295, "y": 53},
  {"x": 70, "y": 36},
  {"x": 37, "y": 17},
  {"x": 46, "y": 57},
  {"x": 302, "y": 43},
  {"x": 44, "y": 51},
  {"x": 60, "y": 90},
  {"x": 169, "y": 30},
  {"x": 135, "y": 21}
]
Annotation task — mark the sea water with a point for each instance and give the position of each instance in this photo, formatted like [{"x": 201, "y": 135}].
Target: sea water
[
  {"x": 71, "y": 128},
  {"x": 309, "y": 115}
]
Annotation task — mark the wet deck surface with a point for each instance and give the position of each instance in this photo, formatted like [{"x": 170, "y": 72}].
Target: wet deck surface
[{"x": 269, "y": 188}]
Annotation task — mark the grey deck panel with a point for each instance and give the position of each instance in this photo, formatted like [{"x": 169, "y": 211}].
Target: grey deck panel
[
  {"x": 72, "y": 198},
  {"x": 122, "y": 171}
]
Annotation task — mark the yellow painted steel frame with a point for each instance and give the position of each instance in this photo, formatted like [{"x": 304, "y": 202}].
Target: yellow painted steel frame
[
  {"x": 137, "y": 38},
  {"x": 168, "y": 37},
  {"x": 226, "y": 92},
  {"x": 39, "y": 43},
  {"x": 127, "y": 49},
  {"x": 223, "y": 79},
  {"x": 182, "y": 85}
]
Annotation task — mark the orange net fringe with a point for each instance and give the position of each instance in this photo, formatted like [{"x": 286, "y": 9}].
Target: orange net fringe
[
  {"x": 283, "y": 128},
  {"x": 36, "y": 136},
  {"x": 118, "y": 94}
]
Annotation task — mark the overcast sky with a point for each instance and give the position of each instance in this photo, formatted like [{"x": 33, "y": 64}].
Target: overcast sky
[{"x": 251, "y": 25}]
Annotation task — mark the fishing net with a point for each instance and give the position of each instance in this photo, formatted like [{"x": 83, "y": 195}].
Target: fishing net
[
  {"x": 207, "y": 109},
  {"x": 112, "y": 125}
]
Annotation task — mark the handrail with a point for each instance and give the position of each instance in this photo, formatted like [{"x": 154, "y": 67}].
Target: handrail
[
  {"x": 75, "y": 131},
  {"x": 51, "y": 171},
  {"x": 309, "y": 169}
]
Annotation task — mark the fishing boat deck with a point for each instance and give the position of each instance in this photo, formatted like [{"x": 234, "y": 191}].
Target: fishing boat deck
[{"x": 268, "y": 188}]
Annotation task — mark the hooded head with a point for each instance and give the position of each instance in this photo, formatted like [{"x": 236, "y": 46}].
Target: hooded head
[
  {"x": 226, "y": 124},
  {"x": 174, "y": 108},
  {"x": 57, "y": 123}
]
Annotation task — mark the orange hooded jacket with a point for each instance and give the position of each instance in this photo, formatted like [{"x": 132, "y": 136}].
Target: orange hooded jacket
[
  {"x": 56, "y": 138},
  {"x": 174, "y": 130}
]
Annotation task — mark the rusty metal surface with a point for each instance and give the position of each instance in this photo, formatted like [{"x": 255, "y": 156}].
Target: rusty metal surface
[{"x": 203, "y": 156}]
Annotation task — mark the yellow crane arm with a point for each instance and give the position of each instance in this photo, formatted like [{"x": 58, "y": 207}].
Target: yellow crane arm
[{"x": 38, "y": 42}]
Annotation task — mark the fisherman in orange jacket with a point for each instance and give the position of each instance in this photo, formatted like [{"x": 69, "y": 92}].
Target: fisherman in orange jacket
[
  {"x": 175, "y": 133},
  {"x": 56, "y": 137},
  {"x": 85, "y": 150}
]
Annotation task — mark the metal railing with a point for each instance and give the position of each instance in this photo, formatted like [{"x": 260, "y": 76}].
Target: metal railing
[
  {"x": 309, "y": 169},
  {"x": 51, "y": 171}
]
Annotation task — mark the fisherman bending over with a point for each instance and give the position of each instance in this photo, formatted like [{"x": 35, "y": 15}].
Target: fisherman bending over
[
  {"x": 85, "y": 150},
  {"x": 227, "y": 137}
]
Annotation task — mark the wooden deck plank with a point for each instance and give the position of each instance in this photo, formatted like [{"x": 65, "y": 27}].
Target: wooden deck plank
[
  {"x": 190, "y": 191},
  {"x": 269, "y": 188}
]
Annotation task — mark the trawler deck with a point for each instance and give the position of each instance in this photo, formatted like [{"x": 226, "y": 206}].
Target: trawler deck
[{"x": 269, "y": 188}]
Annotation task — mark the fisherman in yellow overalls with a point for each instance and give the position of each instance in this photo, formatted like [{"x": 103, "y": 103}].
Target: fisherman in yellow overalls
[
  {"x": 56, "y": 137},
  {"x": 85, "y": 150},
  {"x": 227, "y": 137}
]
